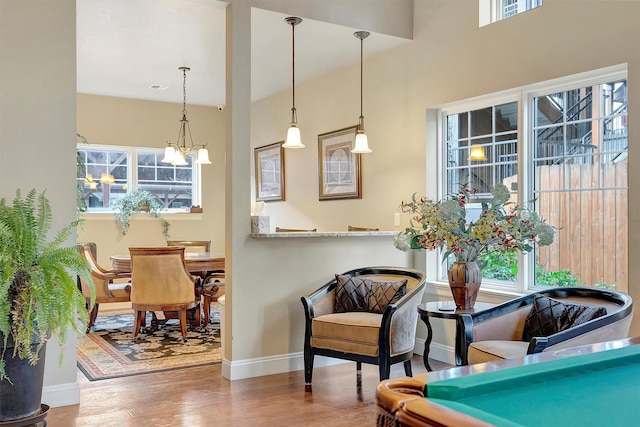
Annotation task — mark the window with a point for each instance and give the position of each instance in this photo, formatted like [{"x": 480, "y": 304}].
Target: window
[
  {"x": 569, "y": 156},
  {"x": 110, "y": 171},
  {"x": 495, "y": 10}
]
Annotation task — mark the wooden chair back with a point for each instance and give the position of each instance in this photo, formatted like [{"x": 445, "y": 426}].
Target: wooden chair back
[
  {"x": 352, "y": 228},
  {"x": 289, "y": 230},
  {"x": 192, "y": 245},
  {"x": 161, "y": 282}
]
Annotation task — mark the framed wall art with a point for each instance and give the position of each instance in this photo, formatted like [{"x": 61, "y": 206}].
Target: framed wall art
[
  {"x": 269, "y": 162},
  {"x": 338, "y": 167}
]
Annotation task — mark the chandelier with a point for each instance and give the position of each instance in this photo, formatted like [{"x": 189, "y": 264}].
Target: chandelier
[{"x": 177, "y": 153}]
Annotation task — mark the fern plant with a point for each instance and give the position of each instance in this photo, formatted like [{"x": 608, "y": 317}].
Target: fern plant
[{"x": 38, "y": 293}]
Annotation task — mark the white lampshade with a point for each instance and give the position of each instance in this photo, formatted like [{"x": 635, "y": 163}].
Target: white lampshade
[
  {"x": 169, "y": 155},
  {"x": 203, "y": 157},
  {"x": 179, "y": 160},
  {"x": 362, "y": 143},
  {"x": 293, "y": 138}
]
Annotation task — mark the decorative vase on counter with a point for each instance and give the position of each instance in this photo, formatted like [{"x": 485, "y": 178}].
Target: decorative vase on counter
[{"x": 464, "y": 280}]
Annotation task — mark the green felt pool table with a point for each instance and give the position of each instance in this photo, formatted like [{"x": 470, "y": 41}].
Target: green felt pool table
[{"x": 574, "y": 389}]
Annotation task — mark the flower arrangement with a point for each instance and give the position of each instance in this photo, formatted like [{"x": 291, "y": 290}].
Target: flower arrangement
[{"x": 502, "y": 226}]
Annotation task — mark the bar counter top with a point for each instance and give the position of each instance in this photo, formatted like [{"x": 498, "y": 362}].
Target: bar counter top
[{"x": 290, "y": 234}]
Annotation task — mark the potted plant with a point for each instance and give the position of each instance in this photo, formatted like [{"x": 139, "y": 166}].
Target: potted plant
[
  {"x": 135, "y": 202},
  {"x": 502, "y": 227},
  {"x": 39, "y": 298}
]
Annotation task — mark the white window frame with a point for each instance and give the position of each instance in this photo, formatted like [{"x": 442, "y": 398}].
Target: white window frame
[
  {"x": 524, "y": 96},
  {"x": 132, "y": 173}
]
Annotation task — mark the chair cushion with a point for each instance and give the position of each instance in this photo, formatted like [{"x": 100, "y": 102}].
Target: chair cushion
[
  {"x": 549, "y": 316},
  {"x": 492, "y": 350},
  {"x": 361, "y": 294},
  {"x": 355, "y": 332}
]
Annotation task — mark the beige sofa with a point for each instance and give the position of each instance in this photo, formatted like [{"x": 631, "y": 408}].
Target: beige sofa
[
  {"x": 497, "y": 333},
  {"x": 382, "y": 335}
]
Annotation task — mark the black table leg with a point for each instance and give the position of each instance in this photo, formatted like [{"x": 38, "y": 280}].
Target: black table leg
[{"x": 427, "y": 343}]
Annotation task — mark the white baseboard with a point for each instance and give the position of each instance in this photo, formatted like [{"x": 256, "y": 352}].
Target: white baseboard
[
  {"x": 437, "y": 351},
  {"x": 61, "y": 394},
  {"x": 249, "y": 368}
]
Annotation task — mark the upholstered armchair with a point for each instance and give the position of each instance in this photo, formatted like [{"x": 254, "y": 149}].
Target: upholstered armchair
[
  {"x": 367, "y": 315},
  {"x": 548, "y": 320},
  {"x": 161, "y": 282},
  {"x": 109, "y": 286}
]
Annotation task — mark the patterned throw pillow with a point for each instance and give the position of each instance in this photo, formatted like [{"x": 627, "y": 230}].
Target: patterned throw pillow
[
  {"x": 352, "y": 294},
  {"x": 358, "y": 294},
  {"x": 549, "y": 316},
  {"x": 385, "y": 293}
]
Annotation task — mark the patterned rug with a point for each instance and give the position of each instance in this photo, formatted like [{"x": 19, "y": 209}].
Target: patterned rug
[{"x": 110, "y": 352}]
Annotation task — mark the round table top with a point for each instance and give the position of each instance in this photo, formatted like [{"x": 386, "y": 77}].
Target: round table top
[{"x": 448, "y": 310}]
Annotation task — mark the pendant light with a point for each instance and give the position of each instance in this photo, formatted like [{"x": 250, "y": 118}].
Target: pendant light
[
  {"x": 177, "y": 153},
  {"x": 293, "y": 134},
  {"x": 477, "y": 153},
  {"x": 362, "y": 143}
]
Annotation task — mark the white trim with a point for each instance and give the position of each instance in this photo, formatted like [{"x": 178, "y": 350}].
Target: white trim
[
  {"x": 437, "y": 351},
  {"x": 260, "y": 366},
  {"x": 61, "y": 394}
]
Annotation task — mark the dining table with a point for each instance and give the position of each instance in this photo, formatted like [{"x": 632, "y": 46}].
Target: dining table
[{"x": 196, "y": 262}]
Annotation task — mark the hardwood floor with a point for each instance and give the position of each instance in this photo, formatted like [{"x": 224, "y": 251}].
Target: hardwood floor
[{"x": 201, "y": 397}]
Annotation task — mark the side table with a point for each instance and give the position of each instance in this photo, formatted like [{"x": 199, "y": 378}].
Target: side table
[{"x": 447, "y": 310}]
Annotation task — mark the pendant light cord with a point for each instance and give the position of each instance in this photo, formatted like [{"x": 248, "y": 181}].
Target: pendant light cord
[
  {"x": 361, "y": 74},
  {"x": 293, "y": 63}
]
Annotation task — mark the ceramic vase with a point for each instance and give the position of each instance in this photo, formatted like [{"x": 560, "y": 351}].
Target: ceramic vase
[{"x": 464, "y": 280}]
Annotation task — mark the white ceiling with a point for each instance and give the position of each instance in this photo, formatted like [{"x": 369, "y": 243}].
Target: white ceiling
[{"x": 126, "y": 46}]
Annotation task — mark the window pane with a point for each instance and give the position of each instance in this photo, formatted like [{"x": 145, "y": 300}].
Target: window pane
[
  {"x": 581, "y": 187},
  {"x": 106, "y": 173},
  {"x": 171, "y": 185}
]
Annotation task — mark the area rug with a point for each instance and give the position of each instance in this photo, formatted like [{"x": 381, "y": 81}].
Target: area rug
[{"x": 109, "y": 351}]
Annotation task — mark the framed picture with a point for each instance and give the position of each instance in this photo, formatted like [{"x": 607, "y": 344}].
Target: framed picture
[
  {"x": 269, "y": 161},
  {"x": 338, "y": 167}
]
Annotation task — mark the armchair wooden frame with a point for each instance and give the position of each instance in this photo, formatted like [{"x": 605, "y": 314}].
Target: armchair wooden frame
[
  {"x": 106, "y": 288},
  {"x": 384, "y": 359},
  {"x": 577, "y": 335}
]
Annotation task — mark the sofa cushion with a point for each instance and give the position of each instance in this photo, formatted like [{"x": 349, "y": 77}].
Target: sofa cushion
[
  {"x": 363, "y": 294},
  {"x": 549, "y": 316}
]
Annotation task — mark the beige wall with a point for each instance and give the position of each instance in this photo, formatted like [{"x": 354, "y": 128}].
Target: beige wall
[
  {"x": 108, "y": 120},
  {"x": 449, "y": 59},
  {"x": 37, "y": 133}
]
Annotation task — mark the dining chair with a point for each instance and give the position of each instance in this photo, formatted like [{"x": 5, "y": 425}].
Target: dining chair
[
  {"x": 212, "y": 290},
  {"x": 161, "y": 282},
  {"x": 288, "y": 230},
  {"x": 352, "y": 228},
  {"x": 104, "y": 281},
  {"x": 203, "y": 245}
]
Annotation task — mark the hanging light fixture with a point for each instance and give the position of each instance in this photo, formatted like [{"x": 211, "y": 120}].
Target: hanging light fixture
[
  {"x": 177, "y": 153},
  {"x": 362, "y": 143},
  {"x": 293, "y": 134}
]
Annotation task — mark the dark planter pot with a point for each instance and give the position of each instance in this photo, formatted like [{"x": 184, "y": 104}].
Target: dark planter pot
[{"x": 22, "y": 398}]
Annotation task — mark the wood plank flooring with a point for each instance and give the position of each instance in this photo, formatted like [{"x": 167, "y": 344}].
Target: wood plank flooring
[{"x": 201, "y": 397}]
